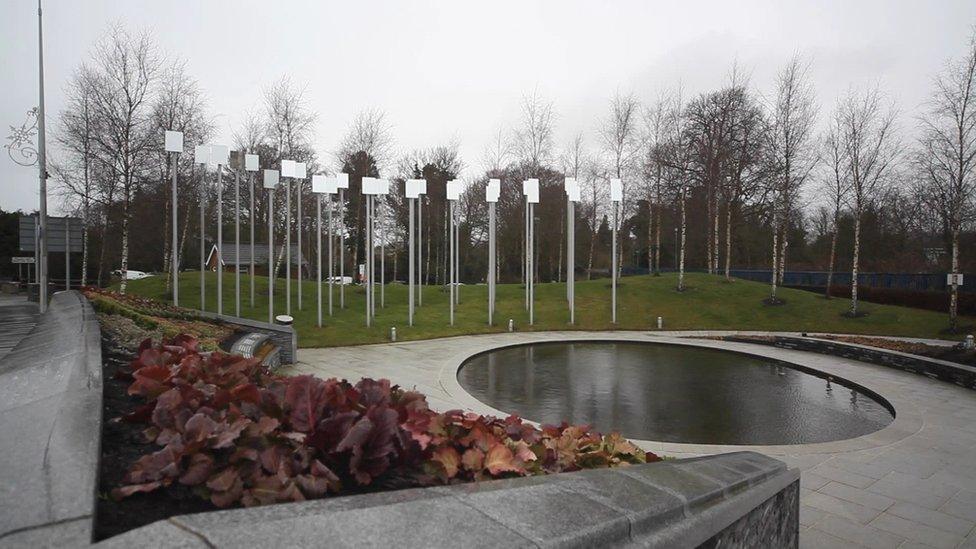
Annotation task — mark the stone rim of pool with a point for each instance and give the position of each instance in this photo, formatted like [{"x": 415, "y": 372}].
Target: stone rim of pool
[{"x": 907, "y": 420}]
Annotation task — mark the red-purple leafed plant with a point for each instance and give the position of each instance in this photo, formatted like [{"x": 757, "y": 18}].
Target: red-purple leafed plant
[{"x": 237, "y": 434}]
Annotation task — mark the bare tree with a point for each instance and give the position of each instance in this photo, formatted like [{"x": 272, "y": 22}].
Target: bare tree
[
  {"x": 655, "y": 121},
  {"x": 947, "y": 154},
  {"x": 867, "y": 136},
  {"x": 835, "y": 187},
  {"x": 621, "y": 142},
  {"x": 179, "y": 105},
  {"x": 497, "y": 153},
  {"x": 532, "y": 140},
  {"x": 124, "y": 71},
  {"x": 794, "y": 112}
]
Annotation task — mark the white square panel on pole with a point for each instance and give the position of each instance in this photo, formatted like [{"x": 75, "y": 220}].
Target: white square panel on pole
[
  {"x": 270, "y": 179},
  {"x": 382, "y": 186},
  {"x": 219, "y": 155},
  {"x": 616, "y": 190},
  {"x": 454, "y": 189},
  {"x": 415, "y": 187},
  {"x": 493, "y": 190},
  {"x": 320, "y": 183},
  {"x": 288, "y": 168},
  {"x": 369, "y": 185},
  {"x": 174, "y": 141},
  {"x": 251, "y": 162},
  {"x": 572, "y": 189},
  {"x": 300, "y": 170},
  {"x": 201, "y": 154},
  {"x": 532, "y": 190},
  {"x": 342, "y": 180}
]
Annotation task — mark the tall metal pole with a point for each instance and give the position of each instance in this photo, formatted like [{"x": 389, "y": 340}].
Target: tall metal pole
[
  {"x": 175, "y": 162},
  {"x": 67, "y": 253},
  {"x": 42, "y": 166},
  {"x": 613, "y": 267},
  {"x": 203, "y": 242},
  {"x": 491, "y": 263},
  {"x": 526, "y": 273},
  {"x": 271, "y": 273},
  {"x": 457, "y": 258},
  {"x": 331, "y": 262},
  {"x": 301, "y": 225},
  {"x": 288, "y": 248},
  {"x": 318, "y": 256},
  {"x": 220, "y": 241},
  {"x": 250, "y": 179},
  {"x": 451, "y": 258},
  {"x": 410, "y": 259},
  {"x": 237, "y": 240},
  {"x": 369, "y": 260},
  {"x": 420, "y": 251},
  {"x": 531, "y": 264},
  {"x": 342, "y": 251},
  {"x": 382, "y": 256},
  {"x": 571, "y": 262}
]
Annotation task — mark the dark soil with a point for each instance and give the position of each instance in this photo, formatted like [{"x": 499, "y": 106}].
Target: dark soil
[
  {"x": 122, "y": 444},
  {"x": 774, "y": 301}
]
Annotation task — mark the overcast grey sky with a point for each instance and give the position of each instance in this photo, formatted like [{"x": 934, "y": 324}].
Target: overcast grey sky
[{"x": 458, "y": 69}]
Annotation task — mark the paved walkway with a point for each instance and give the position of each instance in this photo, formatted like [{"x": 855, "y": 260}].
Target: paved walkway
[
  {"x": 17, "y": 317},
  {"x": 911, "y": 484}
]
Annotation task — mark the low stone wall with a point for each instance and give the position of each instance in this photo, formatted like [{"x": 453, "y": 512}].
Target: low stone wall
[
  {"x": 960, "y": 374},
  {"x": 741, "y": 499},
  {"x": 283, "y": 336},
  {"x": 50, "y": 428}
]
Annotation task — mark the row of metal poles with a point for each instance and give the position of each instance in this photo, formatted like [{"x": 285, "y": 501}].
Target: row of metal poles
[{"x": 372, "y": 188}]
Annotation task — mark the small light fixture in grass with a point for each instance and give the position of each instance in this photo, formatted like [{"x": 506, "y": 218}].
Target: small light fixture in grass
[
  {"x": 392, "y": 333},
  {"x": 511, "y": 325}
]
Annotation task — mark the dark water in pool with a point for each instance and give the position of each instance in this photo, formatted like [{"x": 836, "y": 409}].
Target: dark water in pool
[{"x": 670, "y": 393}]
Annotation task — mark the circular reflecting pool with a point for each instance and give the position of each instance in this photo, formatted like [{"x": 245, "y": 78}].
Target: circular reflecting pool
[{"x": 671, "y": 393}]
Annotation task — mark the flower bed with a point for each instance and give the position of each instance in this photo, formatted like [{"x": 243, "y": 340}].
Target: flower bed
[
  {"x": 234, "y": 434},
  {"x": 154, "y": 318}
]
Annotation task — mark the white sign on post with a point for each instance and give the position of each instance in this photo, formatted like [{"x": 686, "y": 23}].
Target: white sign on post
[
  {"x": 453, "y": 189},
  {"x": 415, "y": 187},
  {"x": 531, "y": 189},
  {"x": 493, "y": 190},
  {"x": 954, "y": 279},
  {"x": 300, "y": 170},
  {"x": 219, "y": 155},
  {"x": 616, "y": 190},
  {"x": 342, "y": 180},
  {"x": 174, "y": 141},
  {"x": 270, "y": 179},
  {"x": 288, "y": 168},
  {"x": 201, "y": 154},
  {"x": 572, "y": 189},
  {"x": 251, "y": 162},
  {"x": 320, "y": 183}
]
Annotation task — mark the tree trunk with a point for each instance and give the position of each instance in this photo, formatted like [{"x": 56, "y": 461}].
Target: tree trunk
[
  {"x": 125, "y": 242},
  {"x": 657, "y": 233},
  {"x": 593, "y": 233},
  {"x": 101, "y": 251},
  {"x": 650, "y": 233},
  {"x": 784, "y": 247},
  {"x": 715, "y": 233},
  {"x": 84, "y": 234},
  {"x": 774, "y": 270},
  {"x": 562, "y": 235},
  {"x": 167, "y": 245},
  {"x": 681, "y": 261},
  {"x": 708, "y": 230},
  {"x": 728, "y": 242},
  {"x": 830, "y": 265},
  {"x": 954, "y": 296},
  {"x": 857, "y": 251}
]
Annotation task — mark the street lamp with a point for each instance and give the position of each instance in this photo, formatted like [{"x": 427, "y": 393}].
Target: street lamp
[
  {"x": 270, "y": 183},
  {"x": 453, "y": 195},
  {"x": 288, "y": 170},
  {"x": 492, "y": 192},
  {"x": 572, "y": 197},
  {"x": 413, "y": 189},
  {"x": 530, "y": 187},
  {"x": 616, "y": 196}
]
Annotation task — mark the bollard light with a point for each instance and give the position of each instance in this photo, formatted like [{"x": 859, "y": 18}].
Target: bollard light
[
  {"x": 392, "y": 333},
  {"x": 660, "y": 323},
  {"x": 511, "y": 325}
]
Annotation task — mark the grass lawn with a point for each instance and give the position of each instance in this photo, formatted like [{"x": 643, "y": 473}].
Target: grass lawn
[{"x": 709, "y": 303}]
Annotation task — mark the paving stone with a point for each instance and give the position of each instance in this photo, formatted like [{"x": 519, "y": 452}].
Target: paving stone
[
  {"x": 855, "y": 495},
  {"x": 904, "y": 487},
  {"x": 810, "y": 515},
  {"x": 858, "y": 533},
  {"x": 870, "y": 469},
  {"x": 915, "y": 531},
  {"x": 840, "y": 475},
  {"x": 812, "y": 481},
  {"x": 935, "y": 519},
  {"x": 841, "y": 508},
  {"x": 962, "y": 505},
  {"x": 811, "y": 538}
]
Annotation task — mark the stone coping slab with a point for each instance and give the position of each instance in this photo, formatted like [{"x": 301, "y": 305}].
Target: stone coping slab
[
  {"x": 50, "y": 425},
  {"x": 683, "y": 503}
]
